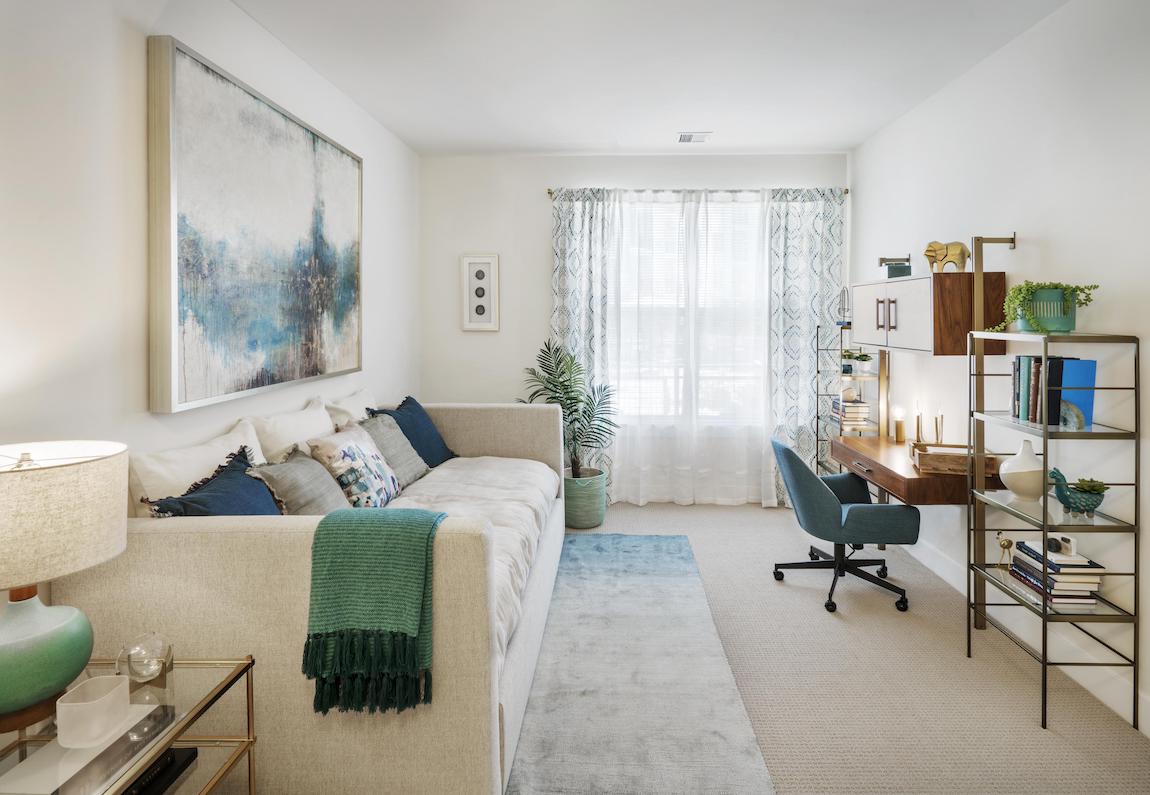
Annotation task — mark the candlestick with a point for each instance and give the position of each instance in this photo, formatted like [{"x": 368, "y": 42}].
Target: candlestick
[
  {"x": 938, "y": 428},
  {"x": 899, "y": 431}
]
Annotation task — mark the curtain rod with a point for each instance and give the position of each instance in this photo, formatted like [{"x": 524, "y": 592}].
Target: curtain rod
[{"x": 551, "y": 191}]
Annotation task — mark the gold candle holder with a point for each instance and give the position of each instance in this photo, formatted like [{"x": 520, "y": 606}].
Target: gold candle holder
[
  {"x": 918, "y": 428},
  {"x": 938, "y": 429},
  {"x": 900, "y": 431}
]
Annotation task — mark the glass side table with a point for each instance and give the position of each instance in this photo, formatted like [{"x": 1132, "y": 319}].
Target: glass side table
[{"x": 164, "y": 711}]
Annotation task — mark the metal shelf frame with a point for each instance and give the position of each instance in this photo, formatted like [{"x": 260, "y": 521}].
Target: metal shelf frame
[
  {"x": 823, "y": 419},
  {"x": 1040, "y": 520}
]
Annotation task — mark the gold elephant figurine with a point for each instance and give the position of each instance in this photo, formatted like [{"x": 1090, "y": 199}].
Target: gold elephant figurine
[{"x": 939, "y": 254}]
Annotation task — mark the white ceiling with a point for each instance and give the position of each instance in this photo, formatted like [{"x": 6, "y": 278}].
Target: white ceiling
[{"x": 455, "y": 76}]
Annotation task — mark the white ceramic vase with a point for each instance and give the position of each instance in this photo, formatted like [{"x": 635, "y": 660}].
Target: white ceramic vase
[{"x": 1023, "y": 473}]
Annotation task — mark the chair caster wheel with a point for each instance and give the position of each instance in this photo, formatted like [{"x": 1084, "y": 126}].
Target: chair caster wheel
[
  {"x": 830, "y": 606},
  {"x": 778, "y": 576},
  {"x": 812, "y": 556},
  {"x": 902, "y": 604},
  {"x": 882, "y": 572}
]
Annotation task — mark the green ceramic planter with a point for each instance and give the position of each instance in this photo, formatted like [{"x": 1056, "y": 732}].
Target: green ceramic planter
[
  {"x": 585, "y": 499},
  {"x": 1049, "y": 308}
]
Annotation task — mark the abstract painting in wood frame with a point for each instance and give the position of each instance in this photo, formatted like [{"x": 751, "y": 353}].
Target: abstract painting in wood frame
[{"x": 255, "y": 234}]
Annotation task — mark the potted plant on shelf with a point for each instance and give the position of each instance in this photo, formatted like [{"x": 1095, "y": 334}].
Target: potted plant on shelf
[
  {"x": 1082, "y": 497},
  {"x": 863, "y": 359},
  {"x": 1044, "y": 307},
  {"x": 588, "y": 428}
]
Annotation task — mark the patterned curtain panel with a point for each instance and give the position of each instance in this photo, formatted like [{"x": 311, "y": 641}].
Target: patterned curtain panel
[
  {"x": 806, "y": 240},
  {"x": 585, "y": 241}
]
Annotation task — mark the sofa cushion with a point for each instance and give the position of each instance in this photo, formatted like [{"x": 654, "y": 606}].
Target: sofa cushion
[
  {"x": 171, "y": 472},
  {"x": 229, "y": 491},
  {"x": 352, "y": 408},
  {"x": 419, "y": 430},
  {"x": 302, "y": 486},
  {"x": 513, "y": 494},
  {"x": 357, "y": 466},
  {"x": 397, "y": 451},
  {"x": 280, "y": 433}
]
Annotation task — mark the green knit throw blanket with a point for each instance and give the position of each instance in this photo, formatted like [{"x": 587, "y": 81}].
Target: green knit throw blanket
[{"x": 369, "y": 625}]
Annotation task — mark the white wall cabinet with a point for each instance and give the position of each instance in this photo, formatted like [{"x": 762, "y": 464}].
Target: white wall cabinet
[
  {"x": 930, "y": 313},
  {"x": 893, "y": 314}
]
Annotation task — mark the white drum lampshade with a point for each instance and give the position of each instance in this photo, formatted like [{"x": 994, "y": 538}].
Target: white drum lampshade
[{"x": 62, "y": 510}]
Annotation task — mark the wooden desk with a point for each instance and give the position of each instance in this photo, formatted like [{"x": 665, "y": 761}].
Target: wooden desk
[{"x": 883, "y": 462}]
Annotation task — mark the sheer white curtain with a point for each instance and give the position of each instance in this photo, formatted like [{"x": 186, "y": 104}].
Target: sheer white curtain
[{"x": 686, "y": 347}]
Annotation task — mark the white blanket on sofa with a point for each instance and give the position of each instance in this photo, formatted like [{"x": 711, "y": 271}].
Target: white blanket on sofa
[{"x": 513, "y": 494}]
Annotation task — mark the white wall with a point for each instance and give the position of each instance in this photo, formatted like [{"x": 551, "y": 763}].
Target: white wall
[
  {"x": 499, "y": 204},
  {"x": 1046, "y": 138},
  {"x": 73, "y": 217}
]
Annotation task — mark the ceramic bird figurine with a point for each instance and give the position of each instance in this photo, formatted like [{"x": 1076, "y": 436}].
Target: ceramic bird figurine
[{"x": 939, "y": 254}]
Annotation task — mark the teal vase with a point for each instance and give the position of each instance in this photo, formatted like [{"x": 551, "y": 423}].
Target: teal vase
[
  {"x": 42, "y": 650},
  {"x": 1050, "y": 310}
]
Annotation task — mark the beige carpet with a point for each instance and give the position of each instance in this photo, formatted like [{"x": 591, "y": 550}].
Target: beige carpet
[{"x": 872, "y": 700}]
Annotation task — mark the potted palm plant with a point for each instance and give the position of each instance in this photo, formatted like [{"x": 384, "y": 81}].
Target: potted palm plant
[{"x": 588, "y": 428}]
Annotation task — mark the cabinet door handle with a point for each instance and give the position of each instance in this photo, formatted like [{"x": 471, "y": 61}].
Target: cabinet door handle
[
  {"x": 892, "y": 314},
  {"x": 879, "y": 320}
]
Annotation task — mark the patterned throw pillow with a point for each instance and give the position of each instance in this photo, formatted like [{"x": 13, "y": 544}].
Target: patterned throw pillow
[{"x": 357, "y": 466}]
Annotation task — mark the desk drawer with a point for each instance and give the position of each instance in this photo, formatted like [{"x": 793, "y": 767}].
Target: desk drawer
[{"x": 871, "y": 470}]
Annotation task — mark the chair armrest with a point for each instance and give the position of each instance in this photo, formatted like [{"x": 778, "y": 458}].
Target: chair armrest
[
  {"x": 880, "y": 524},
  {"x": 848, "y": 487},
  {"x": 508, "y": 430}
]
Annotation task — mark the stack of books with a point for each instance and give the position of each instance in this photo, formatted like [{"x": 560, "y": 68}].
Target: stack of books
[
  {"x": 850, "y": 412},
  {"x": 1071, "y": 580},
  {"x": 1063, "y": 371}
]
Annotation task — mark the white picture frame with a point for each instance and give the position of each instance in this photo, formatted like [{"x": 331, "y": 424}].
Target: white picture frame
[{"x": 479, "y": 292}]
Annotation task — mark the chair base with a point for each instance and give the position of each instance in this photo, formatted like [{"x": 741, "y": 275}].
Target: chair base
[{"x": 842, "y": 565}]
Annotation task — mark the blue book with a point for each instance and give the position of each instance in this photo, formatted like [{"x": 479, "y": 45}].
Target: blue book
[
  {"x": 1089, "y": 567},
  {"x": 1076, "y": 408}
]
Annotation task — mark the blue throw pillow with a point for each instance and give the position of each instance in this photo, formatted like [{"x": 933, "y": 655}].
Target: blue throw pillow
[
  {"x": 419, "y": 430},
  {"x": 229, "y": 491}
]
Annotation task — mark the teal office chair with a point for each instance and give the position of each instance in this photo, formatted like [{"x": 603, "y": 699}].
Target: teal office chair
[{"x": 837, "y": 508}]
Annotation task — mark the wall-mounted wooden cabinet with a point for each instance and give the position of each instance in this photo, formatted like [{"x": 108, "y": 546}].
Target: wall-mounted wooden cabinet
[{"x": 932, "y": 314}]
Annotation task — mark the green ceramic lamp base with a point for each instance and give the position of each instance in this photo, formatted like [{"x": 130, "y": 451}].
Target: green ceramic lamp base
[{"x": 42, "y": 650}]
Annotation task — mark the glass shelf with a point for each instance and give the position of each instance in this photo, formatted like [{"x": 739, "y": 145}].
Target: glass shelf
[
  {"x": 1095, "y": 431},
  {"x": 1031, "y": 513},
  {"x": 1102, "y": 612},
  {"x": 1068, "y": 338}
]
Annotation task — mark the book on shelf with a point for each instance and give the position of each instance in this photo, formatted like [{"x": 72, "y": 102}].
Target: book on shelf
[
  {"x": 1075, "y": 581},
  {"x": 1052, "y": 588},
  {"x": 1061, "y": 373},
  {"x": 1032, "y": 411},
  {"x": 1070, "y": 564},
  {"x": 1051, "y": 598}
]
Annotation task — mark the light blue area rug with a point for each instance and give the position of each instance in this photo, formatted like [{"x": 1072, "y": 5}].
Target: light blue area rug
[{"x": 633, "y": 693}]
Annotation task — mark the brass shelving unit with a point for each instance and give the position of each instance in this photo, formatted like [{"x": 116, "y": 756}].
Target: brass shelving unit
[
  {"x": 826, "y": 424},
  {"x": 1041, "y": 519}
]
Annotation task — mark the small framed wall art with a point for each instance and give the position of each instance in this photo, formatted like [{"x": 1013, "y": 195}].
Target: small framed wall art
[{"x": 480, "y": 283}]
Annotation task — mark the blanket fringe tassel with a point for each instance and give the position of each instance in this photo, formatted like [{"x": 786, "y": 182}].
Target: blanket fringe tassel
[{"x": 364, "y": 670}]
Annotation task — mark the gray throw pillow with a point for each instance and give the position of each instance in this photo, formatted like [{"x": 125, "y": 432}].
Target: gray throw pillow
[
  {"x": 397, "y": 451},
  {"x": 302, "y": 486}
]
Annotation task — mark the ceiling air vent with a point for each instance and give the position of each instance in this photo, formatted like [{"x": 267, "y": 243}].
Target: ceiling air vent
[{"x": 694, "y": 137}]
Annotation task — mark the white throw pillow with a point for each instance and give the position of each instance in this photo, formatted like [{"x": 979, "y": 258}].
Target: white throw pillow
[
  {"x": 352, "y": 408},
  {"x": 279, "y": 433},
  {"x": 170, "y": 473}
]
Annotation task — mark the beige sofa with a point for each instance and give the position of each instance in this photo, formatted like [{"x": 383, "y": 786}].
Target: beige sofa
[{"x": 230, "y": 586}]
